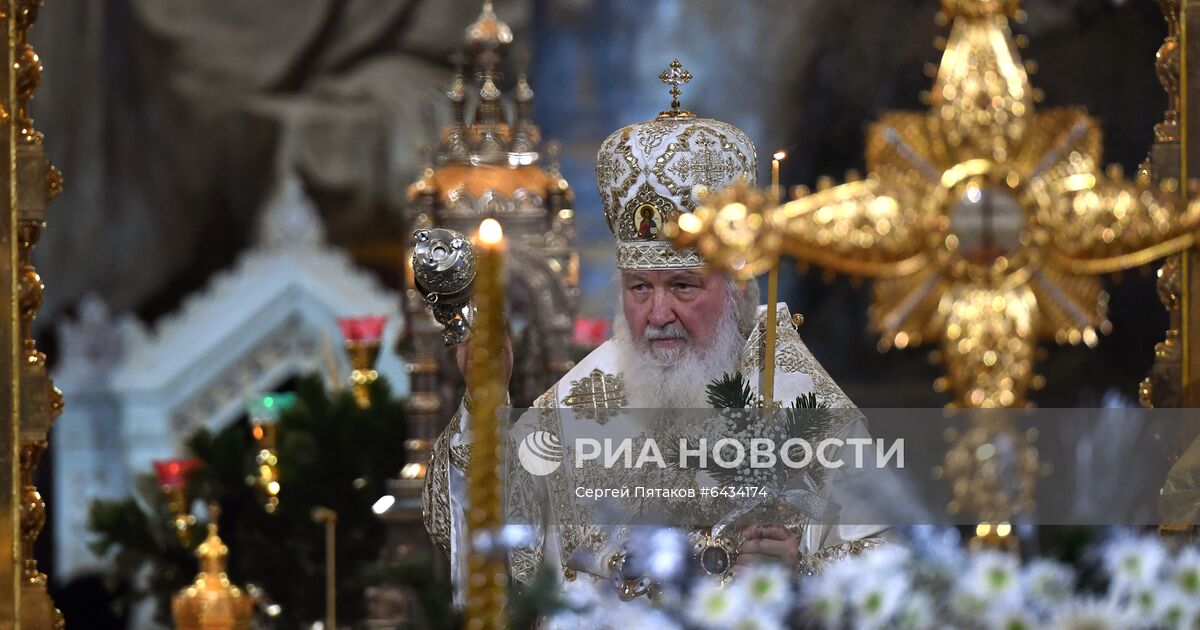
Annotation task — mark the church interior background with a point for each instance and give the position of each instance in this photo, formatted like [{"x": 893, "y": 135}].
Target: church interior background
[{"x": 239, "y": 175}]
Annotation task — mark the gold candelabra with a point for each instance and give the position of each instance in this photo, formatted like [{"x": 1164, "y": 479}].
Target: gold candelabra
[
  {"x": 328, "y": 518},
  {"x": 488, "y": 576},
  {"x": 984, "y": 222},
  {"x": 172, "y": 480},
  {"x": 363, "y": 337},
  {"x": 265, "y": 412}
]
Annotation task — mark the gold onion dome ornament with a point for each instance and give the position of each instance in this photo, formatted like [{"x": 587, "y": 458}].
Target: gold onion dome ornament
[
  {"x": 211, "y": 602},
  {"x": 983, "y": 221},
  {"x": 651, "y": 173}
]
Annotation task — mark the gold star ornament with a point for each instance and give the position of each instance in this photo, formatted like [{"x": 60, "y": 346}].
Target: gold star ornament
[{"x": 983, "y": 221}]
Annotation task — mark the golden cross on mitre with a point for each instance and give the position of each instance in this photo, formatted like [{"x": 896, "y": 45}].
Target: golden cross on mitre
[
  {"x": 675, "y": 75},
  {"x": 983, "y": 222}
]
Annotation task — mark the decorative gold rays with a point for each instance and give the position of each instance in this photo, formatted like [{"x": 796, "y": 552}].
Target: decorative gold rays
[{"x": 982, "y": 221}]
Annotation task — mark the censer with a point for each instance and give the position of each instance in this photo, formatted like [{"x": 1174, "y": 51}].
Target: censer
[{"x": 443, "y": 263}]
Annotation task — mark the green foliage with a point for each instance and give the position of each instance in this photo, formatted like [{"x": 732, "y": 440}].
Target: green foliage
[
  {"x": 807, "y": 417},
  {"x": 331, "y": 453},
  {"x": 541, "y": 598},
  {"x": 731, "y": 391}
]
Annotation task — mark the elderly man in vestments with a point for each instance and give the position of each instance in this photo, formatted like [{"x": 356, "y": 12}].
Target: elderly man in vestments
[{"x": 679, "y": 327}]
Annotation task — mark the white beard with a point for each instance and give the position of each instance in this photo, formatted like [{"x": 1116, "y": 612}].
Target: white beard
[{"x": 676, "y": 379}]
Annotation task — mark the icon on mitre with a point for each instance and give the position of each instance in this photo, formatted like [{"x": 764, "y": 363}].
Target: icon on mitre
[{"x": 648, "y": 227}]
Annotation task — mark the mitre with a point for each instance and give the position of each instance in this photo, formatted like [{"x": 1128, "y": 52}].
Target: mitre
[{"x": 651, "y": 172}]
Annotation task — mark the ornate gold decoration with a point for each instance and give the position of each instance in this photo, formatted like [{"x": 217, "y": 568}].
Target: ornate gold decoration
[
  {"x": 984, "y": 221},
  {"x": 41, "y": 403},
  {"x": 992, "y": 469},
  {"x": 675, "y": 75},
  {"x": 596, "y": 394},
  {"x": 212, "y": 602},
  {"x": 814, "y": 563},
  {"x": 1163, "y": 387},
  {"x": 1166, "y": 63}
]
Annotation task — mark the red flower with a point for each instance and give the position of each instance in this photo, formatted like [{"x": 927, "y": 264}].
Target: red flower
[
  {"x": 173, "y": 473},
  {"x": 366, "y": 328},
  {"x": 590, "y": 332}
]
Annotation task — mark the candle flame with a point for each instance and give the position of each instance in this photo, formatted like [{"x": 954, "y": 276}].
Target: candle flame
[
  {"x": 490, "y": 232},
  {"x": 779, "y": 155}
]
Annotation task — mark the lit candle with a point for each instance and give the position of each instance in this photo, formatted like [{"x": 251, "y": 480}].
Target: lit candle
[
  {"x": 486, "y": 386},
  {"x": 363, "y": 338},
  {"x": 172, "y": 478},
  {"x": 768, "y": 373}
]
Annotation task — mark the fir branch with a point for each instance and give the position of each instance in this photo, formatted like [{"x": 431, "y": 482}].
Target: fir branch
[{"x": 731, "y": 391}]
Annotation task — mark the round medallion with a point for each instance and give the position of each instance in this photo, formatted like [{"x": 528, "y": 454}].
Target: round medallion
[
  {"x": 986, "y": 224},
  {"x": 714, "y": 560}
]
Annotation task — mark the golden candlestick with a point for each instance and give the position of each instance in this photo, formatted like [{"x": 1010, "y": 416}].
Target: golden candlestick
[
  {"x": 486, "y": 387},
  {"x": 362, "y": 358},
  {"x": 363, "y": 339},
  {"x": 172, "y": 479},
  {"x": 265, "y": 412},
  {"x": 329, "y": 518},
  {"x": 768, "y": 375}
]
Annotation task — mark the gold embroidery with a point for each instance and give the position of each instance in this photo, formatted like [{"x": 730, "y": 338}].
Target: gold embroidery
[
  {"x": 435, "y": 497},
  {"x": 813, "y": 563},
  {"x": 595, "y": 394},
  {"x": 702, "y": 165},
  {"x": 657, "y": 255},
  {"x": 460, "y": 455},
  {"x": 616, "y": 175},
  {"x": 792, "y": 356}
]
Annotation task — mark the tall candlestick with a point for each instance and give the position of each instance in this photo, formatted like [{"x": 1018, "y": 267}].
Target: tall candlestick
[
  {"x": 329, "y": 518},
  {"x": 768, "y": 374},
  {"x": 486, "y": 387}
]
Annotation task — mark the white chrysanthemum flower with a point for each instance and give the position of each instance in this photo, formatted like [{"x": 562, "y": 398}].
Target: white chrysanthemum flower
[
  {"x": 825, "y": 598},
  {"x": 992, "y": 576},
  {"x": 917, "y": 613},
  {"x": 885, "y": 558},
  {"x": 1011, "y": 618},
  {"x": 766, "y": 585},
  {"x": 757, "y": 620},
  {"x": 712, "y": 606},
  {"x": 638, "y": 614},
  {"x": 876, "y": 598},
  {"x": 1186, "y": 572},
  {"x": 1093, "y": 614},
  {"x": 1176, "y": 609},
  {"x": 581, "y": 594},
  {"x": 1144, "y": 600},
  {"x": 967, "y": 605},
  {"x": 1133, "y": 562},
  {"x": 841, "y": 573},
  {"x": 1047, "y": 583}
]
